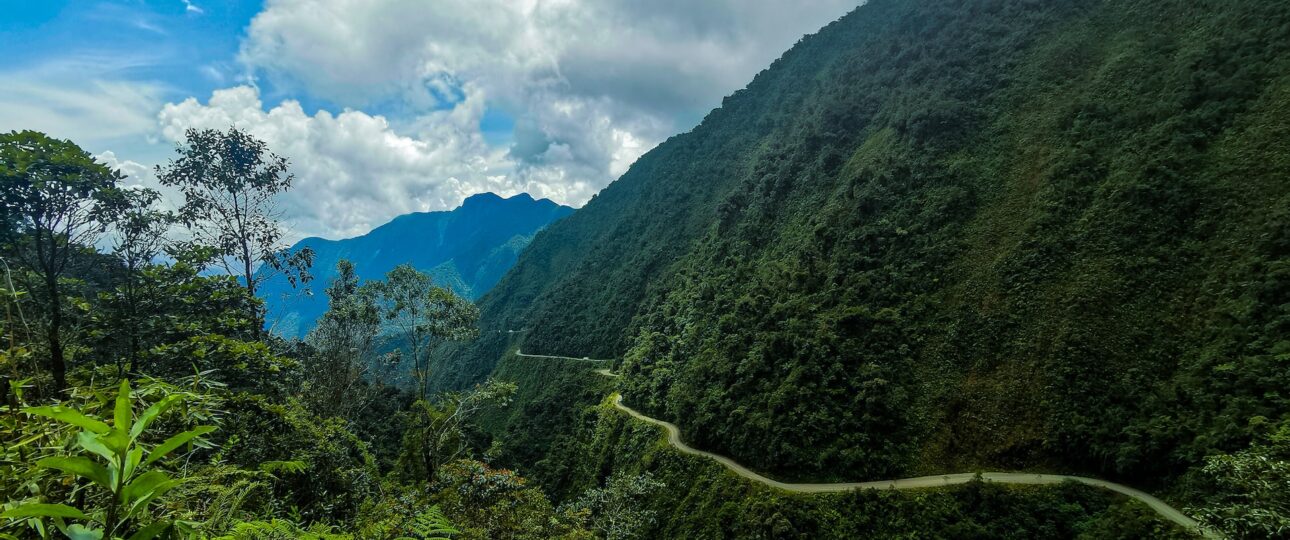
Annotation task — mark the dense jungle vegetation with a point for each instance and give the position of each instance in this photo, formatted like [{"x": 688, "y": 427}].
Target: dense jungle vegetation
[
  {"x": 942, "y": 236},
  {"x": 171, "y": 413},
  {"x": 143, "y": 398},
  {"x": 934, "y": 237}
]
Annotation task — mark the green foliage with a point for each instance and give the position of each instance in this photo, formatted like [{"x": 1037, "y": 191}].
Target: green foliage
[
  {"x": 949, "y": 235},
  {"x": 342, "y": 363},
  {"x": 430, "y": 524},
  {"x": 172, "y": 321},
  {"x": 617, "y": 508},
  {"x": 238, "y": 364},
  {"x": 116, "y": 460},
  {"x": 535, "y": 430},
  {"x": 437, "y": 432},
  {"x": 1251, "y": 489},
  {"x": 497, "y": 504},
  {"x": 934, "y": 236},
  {"x": 704, "y": 500},
  {"x": 57, "y": 198},
  {"x": 338, "y": 473},
  {"x": 88, "y": 465},
  {"x": 420, "y": 316},
  {"x": 278, "y": 529}
]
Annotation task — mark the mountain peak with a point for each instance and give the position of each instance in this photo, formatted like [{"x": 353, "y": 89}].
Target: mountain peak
[
  {"x": 486, "y": 197},
  {"x": 489, "y": 200}
]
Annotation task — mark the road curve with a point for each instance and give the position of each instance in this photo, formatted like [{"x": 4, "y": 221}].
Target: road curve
[{"x": 674, "y": 439}]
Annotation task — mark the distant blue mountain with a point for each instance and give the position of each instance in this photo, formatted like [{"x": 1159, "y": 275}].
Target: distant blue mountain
[{"x": 467, "y": 249}]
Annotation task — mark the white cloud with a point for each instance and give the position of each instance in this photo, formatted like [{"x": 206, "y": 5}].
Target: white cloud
[
  {"x": 78, "y": 100},
  {"x": 136, "y": 174},
  {"x": 354, "y": 171},
  {"x": 654, "y": 57},
  {"x": 591, "y": 84}
]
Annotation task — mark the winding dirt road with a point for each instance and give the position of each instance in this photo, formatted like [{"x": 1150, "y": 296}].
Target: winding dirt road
[{"x": 674, "y": 439}]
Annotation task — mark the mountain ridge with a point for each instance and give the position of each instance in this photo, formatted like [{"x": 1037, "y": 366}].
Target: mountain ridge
[{"x": 467, "y": 249}]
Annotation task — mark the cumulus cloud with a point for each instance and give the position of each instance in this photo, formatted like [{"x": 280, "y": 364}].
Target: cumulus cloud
[
  {"x": 136, "y": 174},
  {"x": 658, "y": 57},
  {"x": 590, "y": 85},
  {"x": 353, "y": 171}
]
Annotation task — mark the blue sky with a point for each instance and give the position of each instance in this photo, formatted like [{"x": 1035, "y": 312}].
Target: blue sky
[{"x": 391, "y": 106}]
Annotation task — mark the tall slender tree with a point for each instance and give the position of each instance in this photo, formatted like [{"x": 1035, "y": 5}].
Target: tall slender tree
[
  {"x": 230, "y": 181},
  {"x": 139, "y": 236},
  {"x": 59, "y": 199},
  {"x": 423, "y": 316},
  {"x": 343, "y": 340}
]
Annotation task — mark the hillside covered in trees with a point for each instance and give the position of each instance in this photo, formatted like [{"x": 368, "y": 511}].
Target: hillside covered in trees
[
  {"x": 939, "y": 236},
  {"x": 933, "y": 238}
]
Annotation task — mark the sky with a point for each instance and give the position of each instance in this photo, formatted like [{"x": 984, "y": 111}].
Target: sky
[{"x": 385, "y": 107}]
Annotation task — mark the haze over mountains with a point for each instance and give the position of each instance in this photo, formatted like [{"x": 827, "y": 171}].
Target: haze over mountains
[{"x": 466, "y": 249}]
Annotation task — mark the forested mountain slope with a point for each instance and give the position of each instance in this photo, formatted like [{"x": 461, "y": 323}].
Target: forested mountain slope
[
  {"x": 940, "y": 235},
  {"x": 467, "y": 249}
]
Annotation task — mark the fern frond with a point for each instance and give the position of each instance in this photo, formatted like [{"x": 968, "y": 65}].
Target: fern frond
[
  {"x": 431, "y": 524},
  {"x": 289, "y": 467}
]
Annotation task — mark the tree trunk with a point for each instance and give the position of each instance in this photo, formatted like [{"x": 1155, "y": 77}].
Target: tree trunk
[
  {"x": 257, "y": 324},
  {"x": 57, "y": 365},
  {"x": 132, "y": 299}
]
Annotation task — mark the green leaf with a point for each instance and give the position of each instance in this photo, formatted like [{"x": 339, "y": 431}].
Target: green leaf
[
  {"x": 69, "y": 416},
  {"x": 27, "y": 441},
  {"x": 79, "y": 466},
  {"x": 132, "y": 459},
  {"x": 175, "y": 442},
  {"x": 81, "y": 532},
  {"x": 40, "y": 510},
  {"x": 151, "y": 531},
  {"x": 143, "y": 485},
  {"x": 290, "y": 467},
  {"x": 91, "y": 443},
  {"x": 146, "y": 498},
  {"x": 116, "y": 440},
  {"x": 151, "y": 413},
  {"x": 123, "y": 415}
]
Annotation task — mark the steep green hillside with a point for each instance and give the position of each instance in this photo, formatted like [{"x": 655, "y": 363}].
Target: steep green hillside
[
  {"x": 941, "y": 235},
  {"x": 467, "y": 249},
  {"x": 562, "y": 432}
]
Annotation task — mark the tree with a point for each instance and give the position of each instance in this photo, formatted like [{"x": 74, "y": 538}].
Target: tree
[
  {"x": 499, "y": 504},
  {"x": 182, "y": 320},
  {"x": 1251, "y": 489},
  {"x": 230, "y": 180},
  {"x": 439, "y": 431},
  {"x": 140, "y": 235},
  {"x": 423, "y": 316},
  {"x": 343, "y": 342},
  {"x": 616, "y": 509},
  {"x": 60, "y": 199}
]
